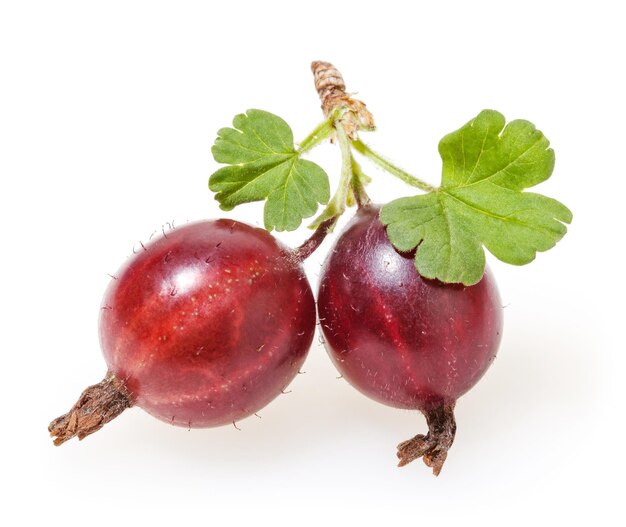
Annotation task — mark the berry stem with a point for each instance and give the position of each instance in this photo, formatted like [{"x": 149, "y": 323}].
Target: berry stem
[
  {"x": 432, "y": 447},
  {"x": 315, "y": 240},
  {"x": 337, "y": 204},
  {"x": 385, "y": 164},
  {"x": 96, "y": 406},
  {"x": 352, "y": 180},
  {"x": 357, "y": 184},
  {"x": 345, "y": 178},
  {"x": 345, "y": 117}
]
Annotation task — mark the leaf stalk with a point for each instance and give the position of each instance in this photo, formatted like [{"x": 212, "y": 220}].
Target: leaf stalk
[
  {"x": 389, "y": 167},
  {"x": 322, "y": 131}
]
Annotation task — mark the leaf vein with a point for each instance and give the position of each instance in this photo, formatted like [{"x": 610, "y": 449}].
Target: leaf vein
[
  {"x": 505, "y": 219},
  {"x": 507, "y": 166}
]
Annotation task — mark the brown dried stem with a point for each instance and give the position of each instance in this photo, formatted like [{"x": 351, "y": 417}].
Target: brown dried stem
[
  {"x": 353, "y": 114},
  {"x": 96, "y": 406},
  {"x": 432, "y": 447}
]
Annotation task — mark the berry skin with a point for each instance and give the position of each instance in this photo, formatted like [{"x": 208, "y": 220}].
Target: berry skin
[
  {"x": 401, "y": 339},
  {"x": 204, "y": 327}
]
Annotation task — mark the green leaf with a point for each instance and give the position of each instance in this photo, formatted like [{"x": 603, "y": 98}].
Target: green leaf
[
  {"x": 486, "y": 166},
  {"x": 264, "y": 164}
]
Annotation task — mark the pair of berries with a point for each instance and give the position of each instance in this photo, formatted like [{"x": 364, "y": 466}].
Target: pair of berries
[{"x": 214, "y": 319}]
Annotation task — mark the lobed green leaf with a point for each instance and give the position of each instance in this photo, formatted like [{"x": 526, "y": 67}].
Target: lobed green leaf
[
  {"x": 263, "y": 164},
  {"x": 486, "y": 167}
]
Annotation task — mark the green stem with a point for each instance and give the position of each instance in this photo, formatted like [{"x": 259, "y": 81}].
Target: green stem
[
  {"x": 346, "y": 169},
  {"x": 323, "y": 131},
  {"x": 359, "y": 180},
  {"x": 365, "y": 150},
  {"x": 337, "y": 204}
]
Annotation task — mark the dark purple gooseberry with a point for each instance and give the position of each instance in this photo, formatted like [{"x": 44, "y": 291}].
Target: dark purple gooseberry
[{"x": 401, "y": 339}]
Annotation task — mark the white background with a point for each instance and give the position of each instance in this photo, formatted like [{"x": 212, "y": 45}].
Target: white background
[{"x": 107, "y": 114}]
